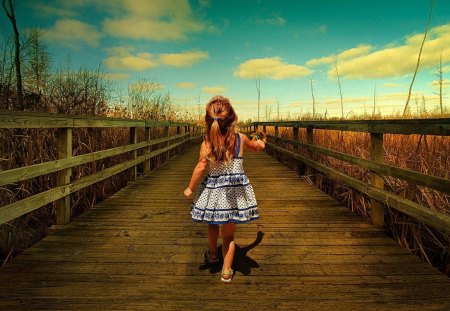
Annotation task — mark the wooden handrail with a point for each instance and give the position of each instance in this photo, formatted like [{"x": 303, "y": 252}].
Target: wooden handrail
[
  {"x": 27, "y": 172},
  {"x": 66, "y": 161},
  {"x": 420, "y": 179},
  {"x": 397, "y": 126},
  {"x": 376, "y": 192},
  {"x": 25, "y": 119}
]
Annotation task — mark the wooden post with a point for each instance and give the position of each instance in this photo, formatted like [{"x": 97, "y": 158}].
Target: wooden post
[
  {"x": 178, "y": 133},
  {"x": 376, "y": 154},
  {"x": 276, "y": 134},
  {"x": 187, "y": 131},
  {"x": 166, "y": 134},
  {"x": 133, "y": 140},
  {"x": 148, "y": 137},
  {"x": 63, "y": 176},
  {"x": 295, "y": 133},
  {"x": 310, "y": 141}
]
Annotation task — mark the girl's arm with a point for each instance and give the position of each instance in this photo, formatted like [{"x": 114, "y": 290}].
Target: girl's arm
[
  {"x": 198, "y": 171},
  {"x": 257, "y": 145}
]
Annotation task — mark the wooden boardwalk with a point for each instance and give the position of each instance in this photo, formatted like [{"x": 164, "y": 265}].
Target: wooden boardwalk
[{"x": 139, "y": 250}]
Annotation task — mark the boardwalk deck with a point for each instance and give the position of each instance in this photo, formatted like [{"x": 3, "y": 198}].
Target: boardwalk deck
[{"x": 139, "y": 250}]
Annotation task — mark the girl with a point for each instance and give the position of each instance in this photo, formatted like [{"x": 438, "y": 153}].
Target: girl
[{"x": 225, "y": 197}]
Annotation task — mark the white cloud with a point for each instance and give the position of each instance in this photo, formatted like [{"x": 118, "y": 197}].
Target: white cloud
[
  {"x": 392, "y": 61},
  {"x": 155, "y": 20},
  {"x": 360, "y": 50},
  {"x": 272, "y": 68},
  {"x": 71, "y": 32},
  {"x": 320, "y": 61},
  {"x": 125, "y": 58},
  {"x": 186, "y": 85},
  {"x": 138, "y": 62},
  {"x": 185, "y": 59},
  {"x": 213, "y": 90}
]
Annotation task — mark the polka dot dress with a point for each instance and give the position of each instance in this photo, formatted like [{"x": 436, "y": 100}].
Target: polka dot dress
[{"x": 225, "y": 195}]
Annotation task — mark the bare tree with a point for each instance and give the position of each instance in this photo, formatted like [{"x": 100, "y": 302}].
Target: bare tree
[
  {"x": 258, "y": 90},
  {"x": 36, "y": 64},
  {"x": 9, "y": 10},
  {"x": 440, "y": 82},
  {"x": 338, "y": 80},
  {"x": 418, "y": 58},
  {"x": 6, "y": 73},
  {"x": 278, "y": 110},
  {"x": 313, "y": 99}
]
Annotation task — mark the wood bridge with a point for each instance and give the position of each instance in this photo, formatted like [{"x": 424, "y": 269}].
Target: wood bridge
[{"x": 139, "y": 250}]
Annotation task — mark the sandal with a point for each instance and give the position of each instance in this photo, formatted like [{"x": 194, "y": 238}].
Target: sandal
[
  {"x": 210, "y": 258},
  {"x": 226, "y": 273}
]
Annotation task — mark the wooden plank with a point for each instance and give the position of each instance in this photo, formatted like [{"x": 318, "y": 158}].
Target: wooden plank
[{"x": 133, "y": 252}]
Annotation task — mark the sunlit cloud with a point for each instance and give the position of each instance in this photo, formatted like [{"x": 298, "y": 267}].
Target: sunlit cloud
[
  {"x": 392, "y": 84},
  {"x": 158, "y": 20},
  {"x": 138, "y": 62},
  {"x": 272, "y": 68},
  {"x": 445, "y": 84},
  {"x": 347, "y": 54},
  {"x": 394, "y": 61},
  {"x": 121, "y": 58},
  {"x": 72, "y": 32},
  {"x": 213, "y": 90},
  {"x": 186, "y": 85},
  {"x": 185, "y": 59},
  {"x": 446, "y": 69}
]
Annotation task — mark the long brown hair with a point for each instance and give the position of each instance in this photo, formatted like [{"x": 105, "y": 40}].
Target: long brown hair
[{"x": 220, "y": 120}]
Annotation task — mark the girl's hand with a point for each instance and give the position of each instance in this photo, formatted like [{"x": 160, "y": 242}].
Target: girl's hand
[{"x": 187, "y": 192}]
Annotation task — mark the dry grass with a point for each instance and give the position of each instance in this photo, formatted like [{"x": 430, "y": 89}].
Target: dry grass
[{"x": 425, "y": 154}]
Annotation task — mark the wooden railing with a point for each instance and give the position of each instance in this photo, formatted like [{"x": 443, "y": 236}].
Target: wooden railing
[
  {"x": 379, "y": 197},
  {"x": 64, "y": 124}
]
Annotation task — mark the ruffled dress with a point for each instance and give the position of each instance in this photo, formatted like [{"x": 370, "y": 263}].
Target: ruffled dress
[{"x": 225, "y": 195}]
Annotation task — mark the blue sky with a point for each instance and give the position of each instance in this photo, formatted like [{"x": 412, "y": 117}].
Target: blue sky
[{"x": 199, "y": 48}]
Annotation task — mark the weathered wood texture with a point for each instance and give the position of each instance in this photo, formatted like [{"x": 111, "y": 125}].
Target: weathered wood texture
[
  {"x": 139, "y": 250},
  {"x": 439, "y": 126},
  {"x": 24, "y": 119}
]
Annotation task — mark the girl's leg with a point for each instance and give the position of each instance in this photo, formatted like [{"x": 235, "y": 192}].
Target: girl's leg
[
  {"x": 213, "y": 236},
  {"x": 228, "y": 246}
]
